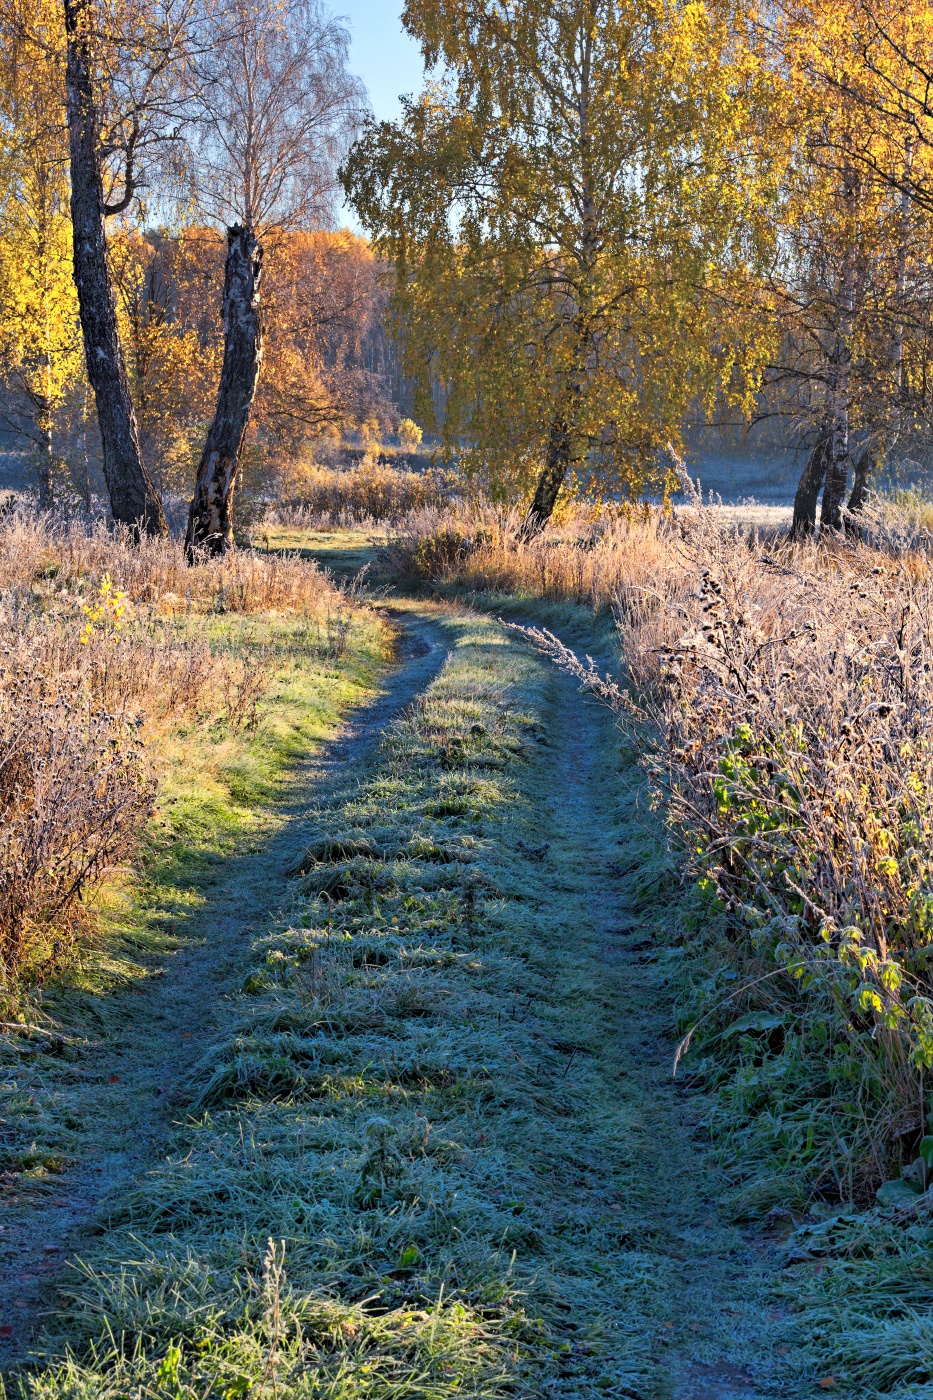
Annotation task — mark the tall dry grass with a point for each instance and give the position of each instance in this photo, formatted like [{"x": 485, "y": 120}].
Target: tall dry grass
[
  {"x": 587, "y": 559},
  {"x": 368, "y": 493},
  {"x": 42, "y": 559},
  {"x": 107, "y": 646},
  {"x": 782, "y": 699}
]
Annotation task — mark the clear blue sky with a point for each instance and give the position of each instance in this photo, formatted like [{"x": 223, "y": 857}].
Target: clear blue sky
[{"x": 383, "y": 55}]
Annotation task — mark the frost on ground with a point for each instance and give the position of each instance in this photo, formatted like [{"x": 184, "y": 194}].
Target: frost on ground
[{"x": 432, "y": 1148}]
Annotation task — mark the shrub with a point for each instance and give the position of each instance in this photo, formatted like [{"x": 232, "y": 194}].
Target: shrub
[
  {"x": 409, "y": 435},
  {"x": 796, "y": 762},
  {"x": 75, "y": 794},
  {"x": 369, "y": 493}
]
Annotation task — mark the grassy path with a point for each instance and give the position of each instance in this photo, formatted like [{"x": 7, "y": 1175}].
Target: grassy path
[
  {"x": 431, "y": 1146},
  {"x": 119, "y": 1091}
]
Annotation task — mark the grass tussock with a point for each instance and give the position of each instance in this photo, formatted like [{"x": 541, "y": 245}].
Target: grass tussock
[
  {"x": 368, "y": 492},
  {"x": 112, "y": 654},
  {"x": 588, "y": 558}
]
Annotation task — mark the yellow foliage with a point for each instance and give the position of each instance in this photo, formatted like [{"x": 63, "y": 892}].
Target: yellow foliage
[
  {"x": 173, "y": 367},
  {"x": 106, "y": 614},
  {"x": 575, "y": 216},
  {"x": 40, "y": 350}
]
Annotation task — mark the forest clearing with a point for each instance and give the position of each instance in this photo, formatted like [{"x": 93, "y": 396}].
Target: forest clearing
[{"x": 466, "y": 702}]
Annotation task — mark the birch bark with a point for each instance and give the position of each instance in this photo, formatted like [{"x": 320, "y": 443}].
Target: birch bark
[{"x": 134, "y": 500}]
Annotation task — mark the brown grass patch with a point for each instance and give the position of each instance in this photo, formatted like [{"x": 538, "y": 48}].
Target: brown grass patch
[{"x": 109, "y": 646}]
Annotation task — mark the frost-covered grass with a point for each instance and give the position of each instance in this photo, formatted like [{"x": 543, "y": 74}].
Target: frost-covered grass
[
  {"x": 408, "y": 1170},
  {"x": 225, "y": 692}
]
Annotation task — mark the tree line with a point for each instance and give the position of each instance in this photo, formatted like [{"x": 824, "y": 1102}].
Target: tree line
[
  {"x": 602, "y": 221},
  {"x": 152, "y": 151}
]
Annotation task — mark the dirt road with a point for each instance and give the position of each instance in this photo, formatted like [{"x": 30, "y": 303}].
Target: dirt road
[
  {"x": 445, "y": 1093},
  {"x": 132, "y": 1083}
]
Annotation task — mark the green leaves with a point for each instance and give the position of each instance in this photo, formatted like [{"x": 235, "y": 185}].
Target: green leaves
[
  {"x": 897, "y": 1193},
  {"x": 756, "y": 1021}
]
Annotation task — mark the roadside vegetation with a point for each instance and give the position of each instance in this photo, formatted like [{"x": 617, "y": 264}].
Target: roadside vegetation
[
  {"x": 782, "y": 694},
  {"x": 371, "y": 491},
  {"x": 152, "y": 716}
]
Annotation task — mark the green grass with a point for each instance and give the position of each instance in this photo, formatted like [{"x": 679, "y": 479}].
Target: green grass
[
  {"x": 411, "y": 1167},
  {"x": 221, "y": 793},
  {"x": 344, "y": 552}
]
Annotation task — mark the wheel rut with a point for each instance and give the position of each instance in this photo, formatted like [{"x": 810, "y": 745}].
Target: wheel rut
[
  {"x": 719, "y": 1339},
  {"x": 132, "y": 1084}
]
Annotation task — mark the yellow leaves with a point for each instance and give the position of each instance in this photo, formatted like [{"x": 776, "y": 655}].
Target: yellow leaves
[
  {"x": 891, "y": 978},
  {"x": 569, "y": 252},
  {"x": 39, "y": 340},
  {"x": 105, "y": 615}
]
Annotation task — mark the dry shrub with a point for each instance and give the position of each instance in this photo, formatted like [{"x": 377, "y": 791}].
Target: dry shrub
[
  {"x": 243, "y": 684},
  {"x": 91, "y": 676},
  {"x": 371, "y": 492},
  {"x": 75, "y": 792},
  {"x": 793, "y": 693}
]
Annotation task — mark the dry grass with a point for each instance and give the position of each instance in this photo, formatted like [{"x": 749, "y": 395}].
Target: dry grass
[
  {"x": 94, "y": 677},
  {"x": 44, "y": 560},
  {"x": 368, "y": 493},
  {"x": 783, "y": 700},
  {"x": 587, "y": 558},
  {"x": 75, "y": 791}
]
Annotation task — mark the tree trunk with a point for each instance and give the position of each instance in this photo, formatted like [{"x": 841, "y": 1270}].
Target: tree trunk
[
  {"x": 809, "y": 487},
  {"x": 863, "y": 470},
  {"x": 837, "y": 477},
  {"x": 837, "y": 470},
  {"x": 556, "y": 467},
  {"x": 44, "y": 454},
  {"x": 133, "y": 497},
  {"x": 210, "y": 519}
]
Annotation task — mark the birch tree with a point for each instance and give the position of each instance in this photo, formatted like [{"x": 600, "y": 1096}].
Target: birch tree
[
  {"x": 853, "y": 283},
  {"x": 573, "y": 215},
  {"x": 275, "y": 109},
  {"x": 122, "y": 59}
]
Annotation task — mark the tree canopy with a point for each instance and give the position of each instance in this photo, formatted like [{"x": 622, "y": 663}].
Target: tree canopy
[{"x": 576, "y": 215}]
